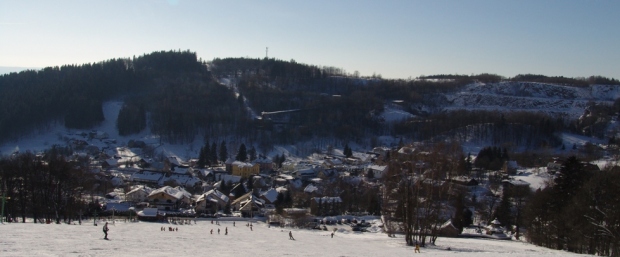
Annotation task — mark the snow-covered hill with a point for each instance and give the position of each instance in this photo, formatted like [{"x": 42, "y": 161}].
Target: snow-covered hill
[{"x": 530, "y": 96}]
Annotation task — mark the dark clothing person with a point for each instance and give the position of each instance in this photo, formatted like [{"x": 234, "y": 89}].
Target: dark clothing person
[
  {"x": 290, "y": 235},
  {"x": 105, "y": 230}
]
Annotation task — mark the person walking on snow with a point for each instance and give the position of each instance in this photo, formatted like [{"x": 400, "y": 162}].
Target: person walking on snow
[
  {"x": 290, "y": 235},
  {"x": 417, "y": 248},
  {"x": 105, "y": 230}
]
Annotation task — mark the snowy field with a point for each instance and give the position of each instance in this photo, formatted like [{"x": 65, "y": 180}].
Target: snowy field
[{"x": 146, "y": 239}]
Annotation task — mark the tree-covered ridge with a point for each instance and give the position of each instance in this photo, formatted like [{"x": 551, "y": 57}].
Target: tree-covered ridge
[
  {"x": 73, "y": 94},
  {"x": 176, "y": 96}
]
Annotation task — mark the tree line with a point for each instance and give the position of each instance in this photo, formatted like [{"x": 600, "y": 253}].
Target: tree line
[
  {"x": 48, "y": 187},
  {"x": 578, "y": 212}
]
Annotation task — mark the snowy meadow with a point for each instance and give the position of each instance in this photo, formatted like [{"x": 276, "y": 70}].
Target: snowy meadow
[{"x": 148, "y": 239}]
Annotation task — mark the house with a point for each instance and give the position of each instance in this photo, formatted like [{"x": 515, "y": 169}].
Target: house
[
  {"x": 169, "y": 198},
  {"x": 464, "y": 181},
  {"x": 248, "y": 204},
  {"x": 328, "y": 173},
  {"x": 311, "y": 189},
  {"x": 244, "y": 169},
  {"x": 270, "y": 196},
  {"x": 151, "y": 214},
  {"x": 204, "y": 174},
  {"x": 218, "y": 172},
  {"x": 515, "y": 183},
  {"x": 228, "y": 164},
  {"x": 377, "y": 170},
  {"x": 148, "y": 177},
  {"x": 184, "y": 180},
  {"x": 138, "y": 194},
  {"x": 448, "y": 229},
  {"x": 211, "y": 202},
  {"x": 264, "y": 163},
  {"x": 305, "y": 173},
  {"x": 332, "y": 163}
]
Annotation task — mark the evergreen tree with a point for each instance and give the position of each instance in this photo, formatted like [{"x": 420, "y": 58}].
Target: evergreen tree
[
  {"x": 205, "y": 154},
  {"x": 459, "y": 207},
  {"x": 569, "y": 180},
  {"x": 370, "y": 174},
  {"x": 279, "y": 203},
  {"x": 503, "y": 213},
  {"x": 347, "y": 151},
  {"x": 250, "y": 184},
  {"x": 252, "y": 153},
  {"x": 213, "y": 154},
  {"x": 201, "y": 161},
  {"x": 242, "y": 154},
  {"x": 223, "y": 152},
  {"x": 240, "y": 189}
]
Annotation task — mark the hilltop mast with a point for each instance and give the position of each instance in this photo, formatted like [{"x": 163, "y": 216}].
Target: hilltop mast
[{"x": 266, "y": 52}]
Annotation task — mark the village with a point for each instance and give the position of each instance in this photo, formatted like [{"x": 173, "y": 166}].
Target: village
[{"x": 325, "y": 189}]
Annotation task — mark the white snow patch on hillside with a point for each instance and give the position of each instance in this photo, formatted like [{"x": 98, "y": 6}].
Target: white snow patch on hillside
[{"x": 391, "y": 114}]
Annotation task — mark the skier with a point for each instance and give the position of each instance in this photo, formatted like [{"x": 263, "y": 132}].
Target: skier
[
  {"x": 211, "y": 231},
  {"x": 105, "y": 231},
  {"x": 332, "y": 234},
  {"x": 218, "y": 231},
  {"x": 290, "y": 235},
  {"x": 417, "y": 248},
  {"x": 226, "y": 231}
]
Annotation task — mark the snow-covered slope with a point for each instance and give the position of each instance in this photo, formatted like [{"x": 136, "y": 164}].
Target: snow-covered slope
[
  {"x": 530, "y": 96},
  {"x": 147, "y": 239}
]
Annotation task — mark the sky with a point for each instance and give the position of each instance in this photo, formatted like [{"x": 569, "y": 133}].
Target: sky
[{"x": 394, "y": 38}]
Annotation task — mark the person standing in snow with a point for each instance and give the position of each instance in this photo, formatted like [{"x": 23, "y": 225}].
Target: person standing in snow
[
  {"x": 290, "y": 235},
  {"x": 105, "y": 230},
  {"x": 417, "y": 248},
  {"x": 226, "y": 231}
]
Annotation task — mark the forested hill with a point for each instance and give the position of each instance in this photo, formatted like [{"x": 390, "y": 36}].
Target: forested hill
[
  {"x": 270, "y": 101},
  {"x": 73, "y": 94}
]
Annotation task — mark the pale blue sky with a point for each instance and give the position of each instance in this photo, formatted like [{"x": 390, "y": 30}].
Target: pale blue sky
[{"x": 397, "y": 39}]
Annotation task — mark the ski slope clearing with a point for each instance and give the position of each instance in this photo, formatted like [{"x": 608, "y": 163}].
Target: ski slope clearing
[{"x": 147, "y": 239}]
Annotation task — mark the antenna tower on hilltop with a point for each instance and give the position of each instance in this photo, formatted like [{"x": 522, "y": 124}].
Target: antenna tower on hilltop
[{"x": 266, "y": 52}]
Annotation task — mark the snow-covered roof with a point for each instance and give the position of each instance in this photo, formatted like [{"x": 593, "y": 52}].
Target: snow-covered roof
[
  {"x": 377, "y": 167},
  {"x": 263, "y": 160},
  {"x": 311, "y": 188},
  {"x": 182, "y": 179},
  {"x": 271, "y": 195},
  {"x": 214, "y": 196},
  {"x": 145, "y": 175},
  {"x": 231, "y": 178},
  {"x": 327, "y": 199},
  {"x": 145, "y": 189},
  {"x": 517, "y": 182},
  {"x": 175, "y": 192},
  {"x": 242, "y": 164}
]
